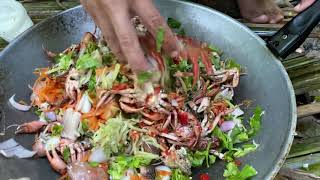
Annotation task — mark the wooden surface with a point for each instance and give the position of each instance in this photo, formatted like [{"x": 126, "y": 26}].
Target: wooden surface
[{"x": 303, "y": 71}]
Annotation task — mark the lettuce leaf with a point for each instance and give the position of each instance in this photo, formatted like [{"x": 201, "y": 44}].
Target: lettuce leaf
[
  {"x": 64, "y": 63},
  {"x": 246, "y": 148},
  {"x": 197, "y": 158},
  {"x": 110, "y": 78},
  {"x": 86, "y": 62},
  {"x": 178, "y": 175},
  {"x": 233, "y": 173},
  {"x": 112, "y": 136},
  {"x": 224, "y": 138},
  {"x": 123, "y": 162},
  {"x": 255, "y": 122},
  {"x": 57, "y": 130}
]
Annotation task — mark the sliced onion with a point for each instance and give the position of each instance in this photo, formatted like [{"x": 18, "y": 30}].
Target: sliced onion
[
  {"x": 237, "y": 112},
  {"x": 71, "y": 121},
  {"x": 51, "y": 115},
  {"x": 98, "y": 155},
  {"x": 84, "y": 104},
  {"x": 18, "y": 106},
  {"x": 227, "y": 126}
]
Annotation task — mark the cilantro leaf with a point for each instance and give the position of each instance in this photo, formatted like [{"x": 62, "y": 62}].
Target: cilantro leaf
[
  {"x": 66, "y": 154},
  {"x": 86, "y": 62},
  {"x": 233, "y": 173},
  {"x": 160, "y": 38},
  {"x": 183, "y": 66},
  {"x": 181, "y": 32},
  {"x": 255, "y": 122},
  {"x": 231, "y": 63},
  {"x": 226, "y": 140},
  {"x": 214, "y": 49},
  {"x": 239, "y": 135},
  {"x": 178, "y": 175},
  {"x": 57, "y": 130},
  {"x": 173, "y": 23},
  {"x": 197, "y": 158}
]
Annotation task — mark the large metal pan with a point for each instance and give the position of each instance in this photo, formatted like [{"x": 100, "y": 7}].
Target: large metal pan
[{"x": 267, "y": 82}]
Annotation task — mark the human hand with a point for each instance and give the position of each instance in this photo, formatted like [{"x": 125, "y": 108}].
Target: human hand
[{"x": 113, "y": 18}]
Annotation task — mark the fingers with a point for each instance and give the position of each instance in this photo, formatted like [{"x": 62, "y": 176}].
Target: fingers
[
  {"x": 101, "y": 19},
  {"x": 119, "y": 16},
  {"x": 153, "y": 21},
  {"x": 49, "y": 157},
  {"x": 304, "y": 4},
  {"x": 72, "y": 152}
]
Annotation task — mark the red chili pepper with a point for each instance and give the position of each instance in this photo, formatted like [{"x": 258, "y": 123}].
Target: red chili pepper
[
  {"x": 183, "y": 117},
  {"x": 121, "y": 86},
  {"x": 204, "y": 176}
]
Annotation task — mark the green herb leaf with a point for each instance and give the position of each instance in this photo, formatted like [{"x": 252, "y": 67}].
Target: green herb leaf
[
  {"x": 239, "y": 135},
  {"x": 226, "y": 140},
  {"x": 110, "y": 78},
  {"x": 233, "y": 173},
  {"x": 122, "y": 163},
  {"x": 86, "y": 62},
  {"x": 214, "y": 49},
  {"x": 66, "y": 154},
  {"x": 173, "y": 23},
  {"x": 246, "y": 148},
  {"x": 177, "y": 174},
  {"x": 160, "y": 38},
  {"x": 64, "y": 63},
  {"x": 93, "y": 164},
  {"x": 183, "y": 66},
  {"x": 144, "y": 76},
  {"x": 56, "y": 130},
  {"x": 216, "y": 62},
  {"x": 37, "y": 111},
  {"x": 181, "y": 32},
  {"x": 255, "y": 122},
  {"x": 197, "y": 158},
  {"x": 231, "y": 63},
  {"x": 92, "y": 83}
]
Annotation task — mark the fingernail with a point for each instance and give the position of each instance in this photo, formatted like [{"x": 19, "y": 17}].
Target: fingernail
[{"x": 297, "y": 7}]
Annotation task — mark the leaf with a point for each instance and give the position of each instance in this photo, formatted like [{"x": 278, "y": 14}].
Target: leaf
[
  {"x": 197, "y": 158},
  {"x": 216, "y": 62},
  {"x": 57, "y": 130},
  {"x": 64, "y": 63},
  {"x": 226, "y": 140},
  {"x": 255, "y": 122},
  {"x": 160, "y": 38},
  {"x": 239, "y": 135},
  {"x": 214, "y": 49},
  {"x": 178, "y": 175},
  {"x": 183, "y": 66},
  {"x": 122, "y": 163},
  {"x": 233, "y": 173},
  {"x": 92, "y": 83},
  {"x": 144, "y": 76},
  {"x": 246, "y": 148},
  {"x": 86, "y": 62},
  {"x": 231, "y": 63},
  {"x": 181, "y": 32},
  {"x": 110, "y": 78},
  {"x": 173, "y": 23},
  {"x": 93, "y": 164},
  {"x": 66, "y": 154}
]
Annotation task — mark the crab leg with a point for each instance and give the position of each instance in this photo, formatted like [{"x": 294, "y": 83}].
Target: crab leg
[
  {"x": 205, "y": 60},
  {"x": 30, "y": 127}
]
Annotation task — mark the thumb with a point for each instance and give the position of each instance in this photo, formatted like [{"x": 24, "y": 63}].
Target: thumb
[{"x": 304, "y": 4}]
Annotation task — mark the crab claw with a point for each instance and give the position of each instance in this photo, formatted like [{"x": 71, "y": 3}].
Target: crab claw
[
  {"x": 207, "y": 63},
  {"x": 127, "y": 108},
  {"x": 30, "y": 127},
  {"x": 56, "y": 162}
]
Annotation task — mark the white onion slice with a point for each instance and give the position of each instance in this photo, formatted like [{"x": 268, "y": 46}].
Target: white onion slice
[
  {"x": 84, "y": 104},
  {"x": 237, "y": 112},
  {"x": 18, "y": 106},
  {"x": 227, "y": 126}
]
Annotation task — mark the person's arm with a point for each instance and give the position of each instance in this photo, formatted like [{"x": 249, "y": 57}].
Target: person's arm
[{"x": 113, "y": 18}]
